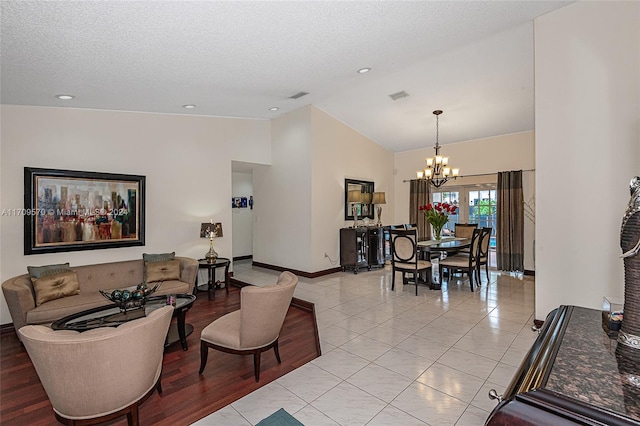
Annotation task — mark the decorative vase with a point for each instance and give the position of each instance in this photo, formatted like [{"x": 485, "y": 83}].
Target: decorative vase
[{"x": 437, "y": 232}]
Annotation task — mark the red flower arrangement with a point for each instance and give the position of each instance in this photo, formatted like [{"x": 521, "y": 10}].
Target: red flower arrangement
[{"x": 437, "y": 215}]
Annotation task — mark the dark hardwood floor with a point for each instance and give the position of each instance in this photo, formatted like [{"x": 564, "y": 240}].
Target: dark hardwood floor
[{"x": 187, "y": 396}]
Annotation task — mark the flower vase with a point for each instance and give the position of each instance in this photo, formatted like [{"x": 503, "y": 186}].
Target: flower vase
[{"x": 437, "y": 232}]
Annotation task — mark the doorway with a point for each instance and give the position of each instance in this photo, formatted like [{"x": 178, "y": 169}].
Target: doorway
[{"x": 476, "y": 203}]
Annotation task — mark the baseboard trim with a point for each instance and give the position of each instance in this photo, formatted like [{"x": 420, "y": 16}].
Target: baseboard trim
[
  {"x": 243, "y": 257},
  {"x": 7, "y": 328},
  {"x": 297, "y": 272},
  {"x": 530, "y": 272}
]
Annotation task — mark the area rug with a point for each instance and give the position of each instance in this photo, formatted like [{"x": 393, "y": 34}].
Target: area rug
[{"x": 280, "y": 418}]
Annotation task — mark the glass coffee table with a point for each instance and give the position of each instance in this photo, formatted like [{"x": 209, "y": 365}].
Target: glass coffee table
[{"x": 111, "y": 316}]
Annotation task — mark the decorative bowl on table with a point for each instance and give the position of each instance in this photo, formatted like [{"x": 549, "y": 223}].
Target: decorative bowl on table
[{"x": 134, "y": 297}]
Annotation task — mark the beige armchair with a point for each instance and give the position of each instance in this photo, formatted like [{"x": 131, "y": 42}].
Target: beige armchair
[
  {"x": 100, "y": 374},
  {"x": 255, "y": 327}
]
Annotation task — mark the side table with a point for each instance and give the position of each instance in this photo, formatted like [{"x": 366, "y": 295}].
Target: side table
[{"x": 211, "y": 267}]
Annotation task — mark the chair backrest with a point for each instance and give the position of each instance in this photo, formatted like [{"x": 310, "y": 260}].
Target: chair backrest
[
  {"x": 485, "y": 237},
  {"x": 474, "y": 250},
  {"x": 263, "y": 310},
  {"x": 100, "y": 371},
  {"x": 403, "y": 245},
  {"x": 465, "y": 230}
]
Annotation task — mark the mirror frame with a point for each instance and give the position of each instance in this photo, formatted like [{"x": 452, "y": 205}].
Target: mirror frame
[{"x": 366, "y": 209}]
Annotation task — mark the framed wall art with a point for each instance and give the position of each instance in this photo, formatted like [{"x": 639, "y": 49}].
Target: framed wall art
[{"x": 67, "y": 210}]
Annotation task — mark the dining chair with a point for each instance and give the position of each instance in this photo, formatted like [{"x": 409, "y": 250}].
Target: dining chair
[
  {"x": 464, "y": 230},
  {"x": 255, "y": 327},
  {"x": 483, "y": 255},
  {"x": 465, "y": 262},
  {"x": 405, "y": 257}
]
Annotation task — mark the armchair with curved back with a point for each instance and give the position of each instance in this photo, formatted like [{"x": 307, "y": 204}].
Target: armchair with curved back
[
  {"x": 465, "y": 262},
  {"x": 255, "y": 327},
  {"x": 405, "y": 256},
  {"x": 100, "y": 374}
]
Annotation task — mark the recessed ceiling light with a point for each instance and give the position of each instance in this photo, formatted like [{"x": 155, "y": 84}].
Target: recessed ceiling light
[
  {"x": 65, "y": 97},
  {"x": 188, "y": 106},
  {"x": 364, "y": 70},
  {"x": 274, "y": 109}
]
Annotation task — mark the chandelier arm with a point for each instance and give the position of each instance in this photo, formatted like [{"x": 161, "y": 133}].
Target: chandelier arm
[{"x": 438, "y": 171}]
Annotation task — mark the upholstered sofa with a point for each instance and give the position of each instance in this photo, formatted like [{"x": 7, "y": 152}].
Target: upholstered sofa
[{"x": 21, "y": 297}]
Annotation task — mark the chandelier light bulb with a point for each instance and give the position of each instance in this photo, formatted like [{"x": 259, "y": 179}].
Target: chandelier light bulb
[
  {"x": 420, "y": 174},
  {"x": 456, "y": 172}
]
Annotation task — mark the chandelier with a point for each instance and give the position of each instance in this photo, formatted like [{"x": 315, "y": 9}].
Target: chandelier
[{"x": 438, "y": 170}]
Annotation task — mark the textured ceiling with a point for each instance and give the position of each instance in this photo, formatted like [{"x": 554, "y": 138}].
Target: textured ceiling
[{"x": 474, "y": 60}]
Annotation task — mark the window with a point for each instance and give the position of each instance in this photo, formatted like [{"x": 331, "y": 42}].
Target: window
[{"x": 476, "y": 204}]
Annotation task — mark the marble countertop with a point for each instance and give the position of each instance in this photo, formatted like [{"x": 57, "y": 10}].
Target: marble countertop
[{"x": 587, "y": 368}]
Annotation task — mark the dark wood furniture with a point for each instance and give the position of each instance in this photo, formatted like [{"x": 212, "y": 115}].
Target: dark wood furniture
[
  {"x": 432, "y": 249},
  {"x": 221, "y": 262},
  {"x": 110, "y": 316},
  {"x": 572, "y": 375},
  {"x": 405, "y": 257},
  {"x": 464, "y": 262},
  {"x": 364, "y": 247}
]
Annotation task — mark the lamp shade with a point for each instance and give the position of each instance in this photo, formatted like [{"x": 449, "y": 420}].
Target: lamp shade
[
  {"x": 378, "y": 198},
  {"x": 206, "y": 228},
  {"x": 367, "y": 197},
  {"x": 354, "y": 196}
]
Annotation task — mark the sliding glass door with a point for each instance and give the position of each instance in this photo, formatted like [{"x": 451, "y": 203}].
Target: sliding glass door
[{"x": 476, "y": 204}]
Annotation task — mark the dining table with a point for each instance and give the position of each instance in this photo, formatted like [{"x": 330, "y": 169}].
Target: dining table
[{"x": 445, "y": 245}]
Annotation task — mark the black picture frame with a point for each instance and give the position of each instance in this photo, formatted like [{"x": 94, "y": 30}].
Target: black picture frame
[
  {"x": 365, "y": 209},
  {"x": 70, "y": 210}
]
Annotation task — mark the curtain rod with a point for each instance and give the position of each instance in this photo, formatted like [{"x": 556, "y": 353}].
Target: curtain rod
[{"x": 480, "y": 174}]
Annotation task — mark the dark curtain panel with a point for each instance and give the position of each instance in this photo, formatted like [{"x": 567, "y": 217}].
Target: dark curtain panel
[
  {"x": 419, "y": 195},
  {"x": 510, "y": 222}
]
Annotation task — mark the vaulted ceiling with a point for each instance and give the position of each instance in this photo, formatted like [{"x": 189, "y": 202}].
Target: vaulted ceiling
[{"x": 473, "y": 59}]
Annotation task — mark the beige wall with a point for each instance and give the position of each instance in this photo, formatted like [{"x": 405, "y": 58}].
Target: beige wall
[
  {"x": 340, "y": 152},
  {"x": 282, "y": 194},
  {"x": 587, "y": 88},
  {"x": 300, "y": 198},
  {"x": 477, "y": 157},
  {"x": 180, "y": 155}
]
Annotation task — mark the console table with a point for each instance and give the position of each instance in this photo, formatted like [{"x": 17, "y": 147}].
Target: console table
[
  {"x": 364, "y": 247},
  {"x": 571, "y": 375}
]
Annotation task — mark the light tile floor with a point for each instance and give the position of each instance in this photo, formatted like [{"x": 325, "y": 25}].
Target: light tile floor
[{"x": 393, "y": 358}]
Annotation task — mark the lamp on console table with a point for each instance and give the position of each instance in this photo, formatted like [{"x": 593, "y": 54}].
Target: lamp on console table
[
  {"x": 211, "y": 231},
  {"x": 355, "y": 196},
  {"x": 378, "y": 200}
]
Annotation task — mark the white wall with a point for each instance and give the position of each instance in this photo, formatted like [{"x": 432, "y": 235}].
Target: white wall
[
  {"x": 587, "y": 89},
  {"x": 476, "y": 157},
  {"x": 282, "y": 195},
  {"x": 242, "y": 186},
  {"x": 300, "y": 198},
  {"x": 339, "y": 152},
  {"x": 180, "y": 155}
]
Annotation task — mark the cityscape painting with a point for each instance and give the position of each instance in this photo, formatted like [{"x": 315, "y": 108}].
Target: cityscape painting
[{"x": 68, "y": 210}]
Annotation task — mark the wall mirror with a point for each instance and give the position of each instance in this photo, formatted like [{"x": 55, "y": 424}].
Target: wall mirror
[{"x": 365, "y": 209}]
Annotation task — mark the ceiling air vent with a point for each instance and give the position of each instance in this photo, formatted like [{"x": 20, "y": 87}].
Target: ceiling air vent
[
  {"x": 298, "y": 95},
  {"x": 398, "y": 95}
]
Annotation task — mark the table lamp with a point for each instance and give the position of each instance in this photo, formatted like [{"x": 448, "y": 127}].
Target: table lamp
[
  {"x": 211, "y": 231},
  {"x": 378, "y": 200},
  {"x": 355, "y": 196}
]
